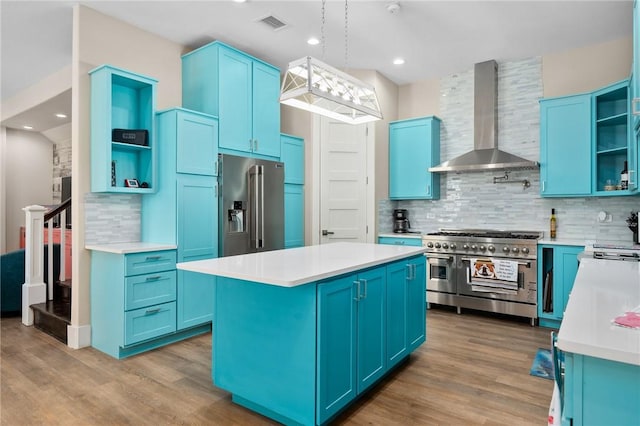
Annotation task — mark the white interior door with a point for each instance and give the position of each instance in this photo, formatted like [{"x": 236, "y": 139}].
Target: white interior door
[{"x": 343, "y": 181}]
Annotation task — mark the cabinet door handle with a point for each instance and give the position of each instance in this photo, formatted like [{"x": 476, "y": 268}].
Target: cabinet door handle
[
  {"x": 364, "y": 296},
  {"x": 154, "y": 257},
  {"x": 400, "y": 243},
  {"x": 357, "y": 283},
  {"x": 154, "y": 278},
  {"x": 216, "y": 191},
  {"x": 152, "y": 311},
  {"x": 250, "y": 144},
  {"x": 415, "y": 268},
  {"x": 407, "y": 276},
  {"x": 255, "y": 145},
  {"x": 428, "y": 189},
  {"x": 215, "y": 167},
  {"x": 543, "y": 185}
]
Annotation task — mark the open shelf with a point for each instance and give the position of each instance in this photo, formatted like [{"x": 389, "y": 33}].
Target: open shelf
[{"x": 121, "y": 99}]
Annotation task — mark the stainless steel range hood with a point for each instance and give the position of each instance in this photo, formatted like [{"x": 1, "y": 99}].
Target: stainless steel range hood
[{"x": 485, "y": 154}]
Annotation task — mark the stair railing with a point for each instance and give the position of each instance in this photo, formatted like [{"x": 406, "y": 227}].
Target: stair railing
[{"x": 34, "y": 289}]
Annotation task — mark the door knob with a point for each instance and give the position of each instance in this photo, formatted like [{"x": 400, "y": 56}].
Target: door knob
[{"x": 325, "y": 232}]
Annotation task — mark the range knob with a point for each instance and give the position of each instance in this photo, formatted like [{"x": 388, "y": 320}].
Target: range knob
[
  {"x": 453, "y": 246},
  {"x": 474, "y": 247},
  {"x": 491, "y": 248},
  {"x": 465, "y": 246},
  {"x": 515, "y": 249},
  {"x": 430, "y": 244},
  {"x": 525, "y": 250},
  {"x": 505, "y": 249},
  {"x": 437, "y": 245},
  {"x": 482, "y": 248},
  {"x": 445, "y": 245}
]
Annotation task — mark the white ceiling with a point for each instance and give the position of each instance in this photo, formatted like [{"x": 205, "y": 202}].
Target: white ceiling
[{"x": 436, "y": 38}]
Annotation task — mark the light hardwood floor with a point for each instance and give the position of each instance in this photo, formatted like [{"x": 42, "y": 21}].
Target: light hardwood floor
[{"x": 473, "y": 369}]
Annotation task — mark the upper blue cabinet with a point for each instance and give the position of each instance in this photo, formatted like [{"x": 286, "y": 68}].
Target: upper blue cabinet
[
  {"x": 123, "y": 157},
  {"x": 414, "y": 146},
  {"x": 293, "y": 159},
  {"x": 585, "y": 141},
  {"x": 565, "y": 132},
  {"x": 242, "y": 91}
]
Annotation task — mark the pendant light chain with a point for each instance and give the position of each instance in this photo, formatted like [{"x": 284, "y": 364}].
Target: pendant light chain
[
  {"x": 346, "y": 34},
  {"x": 322, "y": 30}
]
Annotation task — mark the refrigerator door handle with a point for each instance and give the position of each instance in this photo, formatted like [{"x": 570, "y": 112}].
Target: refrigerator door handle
[
  {"x": 254, "y": 203},
  {"x": 261, "y": 175}
]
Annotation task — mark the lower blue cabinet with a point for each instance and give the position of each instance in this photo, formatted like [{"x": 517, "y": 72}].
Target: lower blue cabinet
[
  {"x": 147, "y": 323},
  {"x": 195, "y": 299},
  {"x": 367, "y": 323}
]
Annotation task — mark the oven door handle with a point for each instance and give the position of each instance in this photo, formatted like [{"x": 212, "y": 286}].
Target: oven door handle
[
  {"x": 447, "y": 258},
  {"x": 527, "y": 264}
]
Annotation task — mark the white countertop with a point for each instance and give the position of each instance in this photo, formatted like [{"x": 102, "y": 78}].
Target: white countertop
[
  {"x": 401, "y": 235},
  {"x": 293, "y": 267},
  {"x": 563, "y": 242},
  {"x": 126, "y": 248},
  {"x": 603, "y": 290}
]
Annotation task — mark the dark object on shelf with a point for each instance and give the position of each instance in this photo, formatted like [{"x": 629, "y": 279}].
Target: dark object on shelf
[
  {"x": 144, "y": 185},
  {"x": 113, "y": 173},
  {"x": 132, "y": 136}
]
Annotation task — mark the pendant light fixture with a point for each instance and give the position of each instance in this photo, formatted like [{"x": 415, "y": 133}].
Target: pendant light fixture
[{"x": 312, "y": 85}]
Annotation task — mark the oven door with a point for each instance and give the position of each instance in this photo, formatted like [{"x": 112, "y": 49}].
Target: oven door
[
  {"x": 441, "y": 274},
  {"x": 527, "y": 283}
]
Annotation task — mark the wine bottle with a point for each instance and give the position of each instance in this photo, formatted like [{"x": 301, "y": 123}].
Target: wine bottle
[
  {"x": 552, "y": 224},
  {"x": 624, "y": 177}
]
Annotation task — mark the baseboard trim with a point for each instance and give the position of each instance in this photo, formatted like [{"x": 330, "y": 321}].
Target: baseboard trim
[{"x": 78, "y": 336}]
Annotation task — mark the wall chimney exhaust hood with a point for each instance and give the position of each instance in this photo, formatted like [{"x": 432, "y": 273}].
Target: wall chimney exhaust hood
[{"x": 485, "y": 154}]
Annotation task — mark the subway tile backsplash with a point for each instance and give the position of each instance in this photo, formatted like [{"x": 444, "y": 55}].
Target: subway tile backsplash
[
  {"x": 112, "y": 218},
  {"x": 472, "y": 200}
]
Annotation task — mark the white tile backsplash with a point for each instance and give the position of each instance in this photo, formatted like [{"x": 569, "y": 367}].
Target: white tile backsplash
[
  {"x": 472, "y": 200},
  {"x": 112, "y": 218}
]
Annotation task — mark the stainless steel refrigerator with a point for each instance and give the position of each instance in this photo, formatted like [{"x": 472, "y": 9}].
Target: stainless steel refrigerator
[{"x": 251, "y": 205}]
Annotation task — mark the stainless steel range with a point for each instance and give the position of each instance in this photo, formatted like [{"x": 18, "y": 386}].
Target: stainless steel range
[{"x": 487, "y": 270}]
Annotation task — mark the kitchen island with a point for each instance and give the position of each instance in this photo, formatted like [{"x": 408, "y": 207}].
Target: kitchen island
[
  {"x": 602, "y": 360},
  {"x": 298, "y": 334}
]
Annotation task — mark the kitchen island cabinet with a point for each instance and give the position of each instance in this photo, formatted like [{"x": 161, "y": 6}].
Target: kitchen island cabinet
[
  {"x": 602, "y": 361},
  {"x": 300, "y": 333}
]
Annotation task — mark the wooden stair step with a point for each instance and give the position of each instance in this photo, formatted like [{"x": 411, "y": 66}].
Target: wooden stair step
[{"x": 53, "y": 317}]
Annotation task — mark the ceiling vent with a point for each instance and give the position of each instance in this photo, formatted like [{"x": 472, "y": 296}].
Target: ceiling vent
[{"x": 274, "y": 23}]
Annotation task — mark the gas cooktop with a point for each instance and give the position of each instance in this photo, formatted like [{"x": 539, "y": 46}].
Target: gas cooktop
[{"x": 481, "y": 233}]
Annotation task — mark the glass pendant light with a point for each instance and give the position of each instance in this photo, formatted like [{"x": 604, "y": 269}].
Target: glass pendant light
[{"x": 312, "y": 85}]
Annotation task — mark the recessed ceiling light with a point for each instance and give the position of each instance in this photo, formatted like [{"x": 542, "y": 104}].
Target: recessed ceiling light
[
  {"x": 239, "y": 1},
  {"x": 398, "y": 61},
  {"x": 27, "y": 127},
  {"x": 61, "y": 115},
  {"x": 313, "y": 41}
]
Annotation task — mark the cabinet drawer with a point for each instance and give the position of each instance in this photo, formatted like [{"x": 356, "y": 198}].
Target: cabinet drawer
[
  {"x": 151, "y": 289},
  {"x": 147, "y": 323},
  {"x": 399, "y": 241},
  {"x": 150, "y": 262}
]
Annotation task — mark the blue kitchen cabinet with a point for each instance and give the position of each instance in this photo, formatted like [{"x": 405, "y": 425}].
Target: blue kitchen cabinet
[
  {"x": 197, "y": 152},
  {"x": 124, "y": 100},
  {"x": 293, "y": 215},
  {"x": 292, "y": 155},
  {"x": 612, "y": 139},
  {"x": 600, "y": 392},
  {"x": 197, "y": 221},
  {"x": 133, "y": 302},
  {"x": 401, "y": 241},
  {"x": 184, "y": 211},
  {"x": 406, "y": 308},
  {"x": 242, "y": 91},
  {"x": 414, "y": 146},
  {"x": 557, "y": 269},
  {"x": 565, "y": 133},
  {"x": 351, "y": 338}
]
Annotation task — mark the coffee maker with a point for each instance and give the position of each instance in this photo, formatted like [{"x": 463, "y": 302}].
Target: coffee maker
[{"x": 401, "y": 223}]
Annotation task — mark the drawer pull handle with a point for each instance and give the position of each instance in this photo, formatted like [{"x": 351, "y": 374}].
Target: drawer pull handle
[
  {"x": 154, "y": 278},
  {"x": 152, "y": 311},
  {"x": 154, "y": 257}
]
